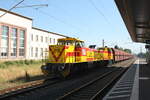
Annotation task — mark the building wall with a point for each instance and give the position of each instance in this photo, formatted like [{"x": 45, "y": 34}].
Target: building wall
[
  {"x": 12, "y": 22},
  {"x": 14, "y": 45},
  {"x": 39, "y": 42}
]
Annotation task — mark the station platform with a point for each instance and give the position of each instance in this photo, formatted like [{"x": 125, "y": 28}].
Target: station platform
[{"x": 133, "y": 85}]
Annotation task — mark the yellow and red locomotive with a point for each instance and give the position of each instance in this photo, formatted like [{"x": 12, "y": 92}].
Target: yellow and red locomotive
[{"x": 70, "y": 56}]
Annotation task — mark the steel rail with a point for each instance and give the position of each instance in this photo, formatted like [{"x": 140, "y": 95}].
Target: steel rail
[
  {"x": 67, "y": 95},
  {"x": 31, "y": 86},
  {"x": 102, "y": 92}
]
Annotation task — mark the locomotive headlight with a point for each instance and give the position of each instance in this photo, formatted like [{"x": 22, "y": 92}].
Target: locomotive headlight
[{"x": 60, "y": 68}]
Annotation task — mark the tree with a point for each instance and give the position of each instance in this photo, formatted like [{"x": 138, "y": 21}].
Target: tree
[
  {"x": 116, "y": 47},
  {"x": 120, "y": 48},
  {"x": 128, "y": 50},
  {"x": 141, "y": 55}
]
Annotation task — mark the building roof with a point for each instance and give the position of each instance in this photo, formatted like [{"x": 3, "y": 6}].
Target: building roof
[
  {"x": 4, "y": 10},
  {"x": 136, "y": 16},
  {"x": 48, "y": 31}
]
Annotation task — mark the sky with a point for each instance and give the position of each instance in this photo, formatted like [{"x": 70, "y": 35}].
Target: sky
[{"x": 88, "y": 20}]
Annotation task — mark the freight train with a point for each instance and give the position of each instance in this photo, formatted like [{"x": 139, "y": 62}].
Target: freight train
[{"x": 70, "y": 56}]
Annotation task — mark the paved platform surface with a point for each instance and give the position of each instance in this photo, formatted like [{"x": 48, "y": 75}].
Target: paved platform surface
[
  {"x": 144, "y": 81},
  {"x": 134, "y": 84},
  {"x": 124, "y": 88}
]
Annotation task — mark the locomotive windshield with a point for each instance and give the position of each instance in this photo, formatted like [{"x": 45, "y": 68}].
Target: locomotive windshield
[
  {"x": 100, "y": 48},
  {"x": 66, "y": 42},
  {"x": 71, "y": 41},
  {"x": 79, "y": 44}
]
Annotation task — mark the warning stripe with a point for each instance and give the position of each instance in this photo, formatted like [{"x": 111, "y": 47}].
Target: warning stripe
[
  {"x": 90, "y": 59},
  {"x": 69, "y": 54},
  {"x": 52, "y": 52}
]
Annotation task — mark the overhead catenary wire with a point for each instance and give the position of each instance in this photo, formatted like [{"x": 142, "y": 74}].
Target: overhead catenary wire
[
  {"x": 54, "y": 18},
  {"x": 102, "y": 14},
  {"x": 31, "y": 6},
  {"x": 12, "y": 7},
  {"x": 98, "y": 10},
  {"x": 40, "y": 5},
  {"x": 58, "y": 20},
  {"x": 68, "y": 15}
]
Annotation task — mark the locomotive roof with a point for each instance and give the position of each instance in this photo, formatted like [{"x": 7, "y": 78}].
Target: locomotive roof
[{"x": 70, "y": 39}]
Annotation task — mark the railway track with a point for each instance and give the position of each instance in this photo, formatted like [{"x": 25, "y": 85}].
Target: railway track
[
  {"x": 31, "y": 86},
  {"x": 86, "y": 91},
  {"x": 96, "y": 88}
]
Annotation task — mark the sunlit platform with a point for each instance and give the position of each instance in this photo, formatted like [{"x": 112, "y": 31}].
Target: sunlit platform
[{"x": 134, "y": 84}]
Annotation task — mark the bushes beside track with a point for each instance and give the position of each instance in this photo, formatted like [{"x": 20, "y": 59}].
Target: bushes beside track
[
  {"x": 19, "y": 63},
  {"x": 14, "y": 73}
]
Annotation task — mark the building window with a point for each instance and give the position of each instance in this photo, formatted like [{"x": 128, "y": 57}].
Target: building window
[
  {"x": 4, "y": 41},
  {"x": 37, "y": 38},
  {"x": 46, "y": 39},
  {"x": 14, "y": 42},
  {"x": 41, "y": 38},
  {"x": 42, "y": 52},
  {"x": 31, "y": 51},
  {"x": 46, "y": 52},
  {"x": 21, "y": 52},
  {"x": 13, "y": 52},
  {"x": 32, "y": 37},
  {"x": 14, "y": 32},
  {"x": 36, "y": 52},
  {"x": 22, "y": 41},
  {"x": 4, "y": 52},
  {"x": 50, "y": 40}
]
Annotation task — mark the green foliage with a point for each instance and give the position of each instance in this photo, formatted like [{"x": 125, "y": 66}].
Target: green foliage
[
  {"x": 116, "y": 47},
  {"x": 27, "y": 62},
  {"x": 120, "y": 48},
  {"x": 7, "y": 63},
  {"x": 19, "y": 63},
  {"x": 2, "y": 66},
  {"x": 128, "y": 50},
  {"x": 142, "y": 55}
]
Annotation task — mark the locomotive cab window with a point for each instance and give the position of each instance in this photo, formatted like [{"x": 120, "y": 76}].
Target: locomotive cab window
[
  {"x": 79, "y": 44},
  {"x": 70, "y": 41},
  {"x": 100, "y": 48},
  {"x": 66, "y": 43}
]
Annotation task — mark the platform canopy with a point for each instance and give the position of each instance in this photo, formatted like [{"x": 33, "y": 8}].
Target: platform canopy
[{"x": 136, "y": 16}]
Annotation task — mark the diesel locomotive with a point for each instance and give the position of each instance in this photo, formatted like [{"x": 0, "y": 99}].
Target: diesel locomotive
[{"x": 70, "y": 56}]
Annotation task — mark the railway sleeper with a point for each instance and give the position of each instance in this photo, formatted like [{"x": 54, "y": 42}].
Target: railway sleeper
[{"x": 76, "y": 97}]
